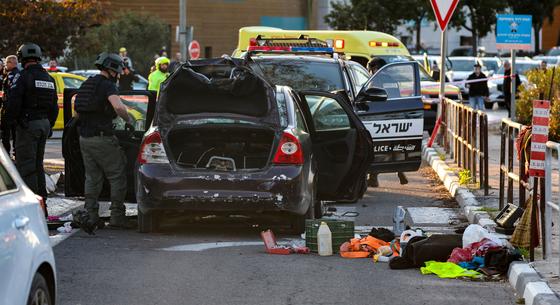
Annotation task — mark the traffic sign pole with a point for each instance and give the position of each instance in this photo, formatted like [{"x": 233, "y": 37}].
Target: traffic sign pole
[
  {"x": 443, "y": 51},
  {"x": 513, "y": 78}
]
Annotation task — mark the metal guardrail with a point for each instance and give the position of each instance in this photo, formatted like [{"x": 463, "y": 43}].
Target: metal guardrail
[
  {"x": 549, "y": 203},
  {"x": 465, "y": 137},
  {"x": 509, "y": 131}
]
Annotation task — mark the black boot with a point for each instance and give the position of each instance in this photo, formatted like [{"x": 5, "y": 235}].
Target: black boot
[{"x": 402, "y": 178}]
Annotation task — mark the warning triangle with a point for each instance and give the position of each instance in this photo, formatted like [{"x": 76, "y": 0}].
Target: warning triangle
[{"x": 443, "y": 9}]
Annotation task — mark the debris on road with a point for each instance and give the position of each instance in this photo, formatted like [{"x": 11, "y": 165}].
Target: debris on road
[{"x": 272, "y": 246}]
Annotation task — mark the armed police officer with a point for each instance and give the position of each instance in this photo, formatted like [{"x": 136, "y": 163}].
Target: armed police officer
[
  {"x": 32, "y": 107},
  {"x": 97, "y": 104}
]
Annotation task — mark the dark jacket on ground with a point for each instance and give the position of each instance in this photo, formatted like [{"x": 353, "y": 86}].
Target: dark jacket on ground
[{"x": 479, "y": 88}]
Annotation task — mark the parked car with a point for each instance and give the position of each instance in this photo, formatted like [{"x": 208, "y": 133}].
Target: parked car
[
  {"x": 27, "y": 266},
  {"x": 463, "y": 66},
  {"x": 521, "y": 67},
  {"x": 224, "y": 141},
  {"x": 550, "y": 60}
]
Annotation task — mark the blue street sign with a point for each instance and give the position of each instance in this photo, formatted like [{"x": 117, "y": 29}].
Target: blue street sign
[{"x": 514, "y": 32}]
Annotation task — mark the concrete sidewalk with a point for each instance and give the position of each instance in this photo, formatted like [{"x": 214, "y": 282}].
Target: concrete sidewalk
[{"x": 526, "y": 278}]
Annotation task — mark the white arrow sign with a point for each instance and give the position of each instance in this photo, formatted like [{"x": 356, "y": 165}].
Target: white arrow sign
[{"x": 443, "y": 9}]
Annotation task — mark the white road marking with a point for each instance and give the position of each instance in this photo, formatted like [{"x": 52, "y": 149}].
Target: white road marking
[
  {"x": 207, "y": 246},
  {"x": 227, "y": 244},
  {"x": 60, "y": 237}
]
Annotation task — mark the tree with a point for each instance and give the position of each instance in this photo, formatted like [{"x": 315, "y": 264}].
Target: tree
[
  {"x": 539, "y": 9},
  {"x": 142, "y": 35},
  {"x": 53, "y": 25},
  {"x": 377, "y": 15},
  {"x": 417, "y": 11},
  {"x": 478, "y": 17}
]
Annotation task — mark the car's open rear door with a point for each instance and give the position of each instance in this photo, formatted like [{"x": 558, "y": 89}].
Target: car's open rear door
[
  {"x": 341, "y": 145},
  {"x": 140, "y": 105},
  {"x": 396, "y": 125}
]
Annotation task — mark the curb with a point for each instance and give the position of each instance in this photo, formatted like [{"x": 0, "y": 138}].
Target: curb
[{"x": 522, "y": 276}]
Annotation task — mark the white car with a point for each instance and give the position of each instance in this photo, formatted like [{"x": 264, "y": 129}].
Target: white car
[
  {"x": 27, "y": 267},
  {"x": 521, "y": 67}
]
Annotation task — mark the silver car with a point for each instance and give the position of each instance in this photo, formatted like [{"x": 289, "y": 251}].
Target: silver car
[{"x": 27, "y": 264}]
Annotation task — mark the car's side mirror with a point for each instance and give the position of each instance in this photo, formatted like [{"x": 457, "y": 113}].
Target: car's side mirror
[{"x": 373, "y": 94}]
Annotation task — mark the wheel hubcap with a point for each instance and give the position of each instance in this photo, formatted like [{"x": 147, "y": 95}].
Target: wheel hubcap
[{"x": 40, "y": 298}]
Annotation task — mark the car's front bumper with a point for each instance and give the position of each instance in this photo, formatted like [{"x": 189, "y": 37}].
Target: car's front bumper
[{"x": 275, "y": 189}]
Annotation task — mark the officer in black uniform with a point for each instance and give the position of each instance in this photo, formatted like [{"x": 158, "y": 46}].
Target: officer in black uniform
[
  {"x": 32, "y": 107},
  {"x": 97, "y": 104},
  {"x": 8, "y": 132}
]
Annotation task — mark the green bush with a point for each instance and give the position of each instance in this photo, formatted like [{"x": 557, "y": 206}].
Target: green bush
[{"x": 539, "y": 86}]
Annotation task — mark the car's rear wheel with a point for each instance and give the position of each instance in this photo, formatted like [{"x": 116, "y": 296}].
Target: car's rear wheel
[
  {"x": 148, "y": 222},
  {"x": 39, "y": 293}
]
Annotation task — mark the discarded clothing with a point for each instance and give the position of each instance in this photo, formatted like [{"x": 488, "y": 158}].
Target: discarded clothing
[
  {"x": 475, "y": 233},
  {"x": 421, "y": 249},
  {"x": 365, "y": 247},
  {"x": 460, "y": 255},
  {"x": 476, "y": 263},
  {"x": 498, "y": 260},
  {"x": 383, "y": 234},
  {"x": 447, "y": 270}
]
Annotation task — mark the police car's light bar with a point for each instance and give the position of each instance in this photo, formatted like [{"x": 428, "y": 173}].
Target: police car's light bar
[
  {"x": 383, "y": 44},
  {"x": 290, "y": 49}
]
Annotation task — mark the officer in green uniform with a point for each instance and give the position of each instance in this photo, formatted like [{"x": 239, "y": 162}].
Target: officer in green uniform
[
  {"x": 97, "y": 104},
  {"x": 32, "y": 107}
]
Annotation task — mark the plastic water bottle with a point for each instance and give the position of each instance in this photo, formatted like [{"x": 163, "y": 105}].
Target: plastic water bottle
[
  {"x": 398, "y": 220},
  {"x": 324, "y": 240}
]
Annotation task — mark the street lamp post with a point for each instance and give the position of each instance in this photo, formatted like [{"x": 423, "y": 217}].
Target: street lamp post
[{"x": 183, "y": 29}]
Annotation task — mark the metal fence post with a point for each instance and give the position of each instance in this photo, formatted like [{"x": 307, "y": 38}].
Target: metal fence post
[
  {"x": 547, "y": 198},
  {"x": 502, "y": 163}
]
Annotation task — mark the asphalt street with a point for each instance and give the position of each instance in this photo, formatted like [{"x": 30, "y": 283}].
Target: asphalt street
[{"x": 223, "y": 262}]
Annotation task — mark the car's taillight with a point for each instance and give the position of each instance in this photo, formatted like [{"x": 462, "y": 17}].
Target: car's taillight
[
  {"x": 151, "y": 150},
  {"x": 289, "y": 151},
  {"x": 42, "y": 204}
]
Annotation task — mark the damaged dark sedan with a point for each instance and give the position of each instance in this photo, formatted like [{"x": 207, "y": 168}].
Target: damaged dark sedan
[{"x": 225, "y": 141}]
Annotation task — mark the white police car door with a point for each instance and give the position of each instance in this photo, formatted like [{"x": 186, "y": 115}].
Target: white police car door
[{"x": 396, "y": 125}]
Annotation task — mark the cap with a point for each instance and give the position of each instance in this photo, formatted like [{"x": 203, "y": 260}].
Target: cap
[{"x": 123, "y": 49}]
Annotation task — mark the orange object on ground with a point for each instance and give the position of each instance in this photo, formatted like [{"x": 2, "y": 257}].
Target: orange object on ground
[{"x": 364, "y": 247}]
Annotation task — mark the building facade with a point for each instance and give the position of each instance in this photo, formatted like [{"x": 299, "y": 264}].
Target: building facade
[{"x": 216, "y": 22}]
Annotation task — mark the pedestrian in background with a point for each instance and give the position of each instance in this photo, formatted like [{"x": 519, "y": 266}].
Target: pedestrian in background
[
  {"x": 478, "y": 89},
  {"x": 32, "y": 106},
  {"x": 507, "y": 85},
  {"x": 1, "y": 71},
  {"x": 175, "y": 63},
  {"x": 97, "y": 104},
  {"x": 373, "y": 66},
  {"x": 53, "y": 66},
  {"x": 543, "y": 65},
  {"x": 124, "y": 55},
  {"x": 159, "y": 75},
  {"x": 7, "y": 131},
  {"x": 127, "y": 78}
]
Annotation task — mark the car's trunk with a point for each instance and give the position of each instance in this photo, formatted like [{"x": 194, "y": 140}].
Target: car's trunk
[{"x": 221, "y": 147}]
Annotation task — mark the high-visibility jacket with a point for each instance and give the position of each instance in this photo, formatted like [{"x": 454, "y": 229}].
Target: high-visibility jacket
[
  {"x": 365, "y": 247},
  {"x": 155, "y": 79}
]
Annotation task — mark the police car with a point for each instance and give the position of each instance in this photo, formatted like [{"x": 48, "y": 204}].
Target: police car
[{"x": 395, "y": 121}]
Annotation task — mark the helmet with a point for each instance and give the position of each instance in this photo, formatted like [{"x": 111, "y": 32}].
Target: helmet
[
  {"x": 29, "y": 51},
  {"x": 109, "y": 61},
  {"x": 162, "y": 60}
]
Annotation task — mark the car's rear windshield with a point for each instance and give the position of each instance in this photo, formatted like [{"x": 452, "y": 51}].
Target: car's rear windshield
[
  {"x": 301, "y": 75},
  {"x": 463, "y": 64}
]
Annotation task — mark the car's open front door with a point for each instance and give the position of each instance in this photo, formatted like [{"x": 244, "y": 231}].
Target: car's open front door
[
  {"x": 140, "y": 105},
  {"x": 395, "y": 123},
  {"x": 341, "y": 145}
]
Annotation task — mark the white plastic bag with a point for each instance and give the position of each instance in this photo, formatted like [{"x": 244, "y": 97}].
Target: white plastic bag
[
  {"x": 475, "y": 233},
  {"x": 51, "y": 181}
]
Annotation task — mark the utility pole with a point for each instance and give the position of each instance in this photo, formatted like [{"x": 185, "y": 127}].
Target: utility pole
[{"x": 183, "y": 29}]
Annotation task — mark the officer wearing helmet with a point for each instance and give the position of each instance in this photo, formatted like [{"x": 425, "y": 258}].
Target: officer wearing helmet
[
  {"x": 97, "y": 104},
  {"x": 32, "y": 107},
  {"x": 159, "y": 75}
]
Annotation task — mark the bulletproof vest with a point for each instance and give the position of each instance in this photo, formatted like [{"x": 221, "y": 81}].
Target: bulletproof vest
[
  {"x": 87, "y": 100},
  {"x": 41, "y": 94}
]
